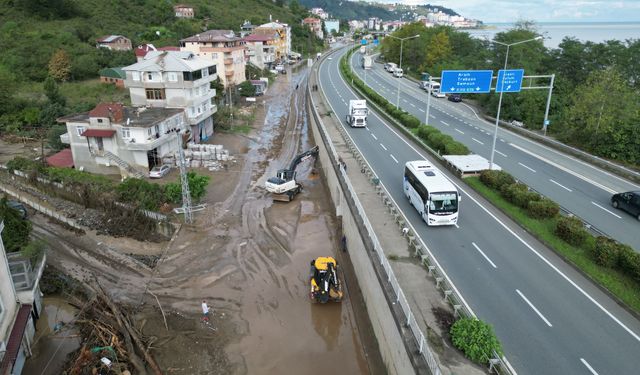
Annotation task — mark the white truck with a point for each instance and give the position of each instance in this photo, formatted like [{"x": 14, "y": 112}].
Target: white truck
[
  {"x": 357, "y": 117},
  {"x": 398, "y": 73},
  {"x": 367, "y": 62},
  {"x": 363, "y": 49},
  {"x": 390, "y": 67}
]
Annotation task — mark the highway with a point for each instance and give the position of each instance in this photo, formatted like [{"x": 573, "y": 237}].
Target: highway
[
  {"x": 579, "y": 187},
  {"x": 549, "y": 318}
]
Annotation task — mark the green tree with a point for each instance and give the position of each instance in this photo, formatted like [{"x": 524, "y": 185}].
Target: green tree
[
  {"x": 439, "y": 50},
  {"x": 16, "y": 232},
  {"x": 60, "y": 66},
  {"x": 53, "y": 137},
  {"x": 52, "y": 91},
  {"x": 247, "y": 89}
]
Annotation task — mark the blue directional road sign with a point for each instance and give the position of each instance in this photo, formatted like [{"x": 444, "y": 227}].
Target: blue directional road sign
[
  {"x": 376, "y": 42},
  {"x": 466, "y": 81},
  {"x": 512, "y": 80},
  {"x": 363, "y": 42}
]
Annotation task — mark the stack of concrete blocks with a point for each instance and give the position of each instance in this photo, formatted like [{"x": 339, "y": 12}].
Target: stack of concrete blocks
[{"x": 211, "y": 157}]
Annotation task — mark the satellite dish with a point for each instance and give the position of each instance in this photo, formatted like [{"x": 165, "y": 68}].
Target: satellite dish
[
  {"x": 158, "y": 32},
  {"x": 128, "y": 121}
]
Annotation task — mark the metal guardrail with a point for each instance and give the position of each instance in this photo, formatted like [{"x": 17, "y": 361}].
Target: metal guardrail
[{"x": 498, "y": 363}]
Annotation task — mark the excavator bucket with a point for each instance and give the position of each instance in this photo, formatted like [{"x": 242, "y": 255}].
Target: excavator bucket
[{"x": 281, "y": 197}]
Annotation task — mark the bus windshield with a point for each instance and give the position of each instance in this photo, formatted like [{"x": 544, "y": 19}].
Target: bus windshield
[{"x": 443, "y": 203}]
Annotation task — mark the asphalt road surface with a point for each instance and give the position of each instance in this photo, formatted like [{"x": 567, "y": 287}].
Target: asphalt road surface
[
  {"x": 549, "y": 318},
  {"x": 582, "y": 189}
]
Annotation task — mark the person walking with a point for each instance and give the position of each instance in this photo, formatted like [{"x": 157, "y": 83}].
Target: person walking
[{"x": 205, "y": 311}]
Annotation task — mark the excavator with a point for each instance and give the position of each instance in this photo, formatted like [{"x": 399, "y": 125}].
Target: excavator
[
  {"x": 284, "y": 185},
  {"x": 325, "y": 283}
]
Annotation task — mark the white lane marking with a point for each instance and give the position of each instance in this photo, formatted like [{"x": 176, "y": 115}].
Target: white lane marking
[
  {"x": 501, "y": 140},
  {"x": 534, "y": 308},
  {"x": 562, "y": 186},
  {"x": 484, "y": 255},
  {"x": 459, "y": 131},
  {"x": 444, "y": 123},
  {"x": 405, "y": 100},
  {"x": 432, "y": 116},
  {"x": 477, "y": 141},
  {"x": 374, "y": 136},
  {"x": 494, "y": 217},
  {"x": 456, "y": 226},
  {"x": 381, "y": 145},
  {"x": 421, "y": 110},
  {"x": 413, "y": 105},
  {"x": 394, "y": 158},
  {"x": 498, "y": 152},
  {"x": 605, "y": 188},
  {"x": 595, "y": 204},
  {"x": 584, "y": 362},
  {"x": 529, "y": 168}
]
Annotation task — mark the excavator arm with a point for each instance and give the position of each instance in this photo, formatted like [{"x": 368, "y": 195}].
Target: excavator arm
[{"x": 302, "y": 157}]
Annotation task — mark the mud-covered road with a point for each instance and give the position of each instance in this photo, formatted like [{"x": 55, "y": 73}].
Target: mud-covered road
[{"x": 249, "y": 258}]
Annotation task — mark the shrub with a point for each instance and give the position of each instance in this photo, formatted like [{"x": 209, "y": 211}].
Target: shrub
[
  {"x": 455, "y": 148},
  {"x": 437, "y": 141},
  {"x": 543, "y": 209},
  {"x": 16, "y": 232},
  {"x": 629, "y": 261},
  {"x": 24, "y": 165},
  {"x": 145, "y": 194},
  {"x": 571, "y": 230},
  {"x": 411, "y": 121},
  {"x": 425, "y": 130},
  {"x": 508, "y": 191},
  {"x": 606, "y": 252},
  {"x": 489, "y": 178},
  {"x": 522, "y": 198},
  {"x": 476, "y": 339},
  {"x": 504, "y": 178}
]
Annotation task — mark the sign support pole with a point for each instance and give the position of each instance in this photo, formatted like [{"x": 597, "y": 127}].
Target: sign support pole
[
  {"x": 546, "y": 111},
  {"x": 495, "y": 132},
  {"x": 426, "y": 118}
]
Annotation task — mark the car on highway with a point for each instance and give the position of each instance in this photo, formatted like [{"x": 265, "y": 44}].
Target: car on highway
[
  {"x": 629, "y": 201},
  {"x": 159, "y": 171},
  {"x": 455, "y": 98}
]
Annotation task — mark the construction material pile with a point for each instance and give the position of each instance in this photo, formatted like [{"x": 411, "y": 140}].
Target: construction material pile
[{"x": 212, "y": 157}]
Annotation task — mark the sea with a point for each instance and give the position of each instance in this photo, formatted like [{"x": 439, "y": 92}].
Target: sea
[{"x": 554, "y": 32}]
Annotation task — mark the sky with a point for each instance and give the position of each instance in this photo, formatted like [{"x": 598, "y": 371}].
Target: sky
[{"x": 540, "y": 10}]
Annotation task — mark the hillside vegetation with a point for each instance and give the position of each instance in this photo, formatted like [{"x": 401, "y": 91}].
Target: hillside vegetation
[
  {"x": 32, "y": 32},
  {"x": 361, "y": 10},
  {"x": 594, "y": 104}
]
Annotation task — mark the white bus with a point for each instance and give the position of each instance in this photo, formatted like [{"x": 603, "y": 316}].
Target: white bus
[{"x": 431, "y": 193}]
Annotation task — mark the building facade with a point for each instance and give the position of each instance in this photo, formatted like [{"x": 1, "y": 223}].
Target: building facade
[
  {"x": 114, "y": 42},
  {"x": 261, "y": 50},
  {"x": 315, "y": 25},
  {"x": 114, "y": 139},
  {"x": 20, "y": 307},
  {"x": 183, "y": 11},
  {"x": 332, "y": 26},
  {"x": 176, "y": 79},
  {"x": 224, "y": 49},
  {"x": 283, "y": 42}
]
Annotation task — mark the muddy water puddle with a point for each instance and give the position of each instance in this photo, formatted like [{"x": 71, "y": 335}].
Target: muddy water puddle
[{"x": 55, "y": 338}]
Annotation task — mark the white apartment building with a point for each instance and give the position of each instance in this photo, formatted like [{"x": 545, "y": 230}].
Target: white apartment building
[
  {"x": 20, "y": 307},
  {"x": 114, "y": 139},
  {"x": 176, "y": 79},
  {"x": 282, "y": 42},
  {"x": 224, "y": 49}
]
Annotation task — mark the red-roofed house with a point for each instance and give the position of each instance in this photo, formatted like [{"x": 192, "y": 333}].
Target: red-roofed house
[
  {"x": 223, "y": 47},
  {"x": 261, "y": 50},
  {"x": 114, "y": 42},
  {"x": 315, "y": 25},
  {"x": 62, "y": 159},
  {"x": 114, "y": 139}
]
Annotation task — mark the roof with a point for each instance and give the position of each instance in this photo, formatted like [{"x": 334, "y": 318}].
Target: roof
[
  {"x": 131, "y": 117},
  {"x": 274, "y": 25},
  {"x": 109, "y": 38},
  {"x": 62, "y": 159},
  {"x": 98, "y": 133},
  {"x": 177, "y": 6},
  {"x": 258, "y": 38},
  {"x": 114, "y": 111},
  {"x": 141, "y": 50},
  {"x": 170, "y": 61},
  {"x": 113, "y": 73},
  {"x": 311, "y": 20},
  {"x": 430, "y": 176},
  {"x": 213, "y": 36},
  {"x": 15, "y": 338}
]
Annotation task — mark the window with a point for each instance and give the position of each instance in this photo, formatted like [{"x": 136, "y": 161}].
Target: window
[
  {"x": 80, "y": 130},
  {"x": 192, "y": 76},
  {"x": 99, "y": 121},
  {"x": 205, "y": 72},
  {"x": 135, "y": 76},
  {"x": 149, "y": 76},
  {"x": 172, "y": 76},
  {"x": 212, "y": 70},
  {"x": 155, "y": 94},
  {"x": 126, "y": 133}
]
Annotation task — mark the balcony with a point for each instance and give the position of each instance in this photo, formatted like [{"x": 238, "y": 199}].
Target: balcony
[
  {"x": 147, "y": 144},
  {"x": 64, "y": 138},
  {"x": 229, "y": 73},
  {"x": 228, "y": 61},
  {"x": 25, "y": 273}
]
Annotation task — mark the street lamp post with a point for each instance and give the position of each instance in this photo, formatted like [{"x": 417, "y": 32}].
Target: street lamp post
[
  {"x": 506, "y": 58},
  {"x": 400, "y": 67}
]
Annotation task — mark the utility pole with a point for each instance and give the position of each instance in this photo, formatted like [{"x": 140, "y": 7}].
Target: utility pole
[{"x": 184, "y": 180}]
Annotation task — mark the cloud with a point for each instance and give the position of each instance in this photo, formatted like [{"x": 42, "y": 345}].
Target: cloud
[{"x": 540, "y": 10}]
